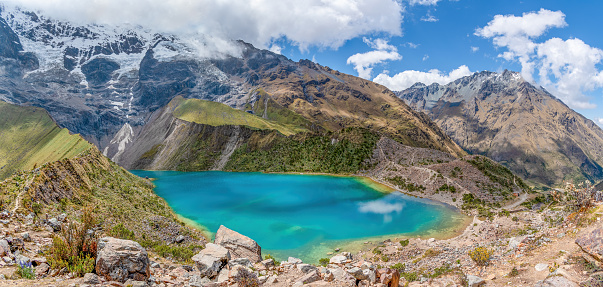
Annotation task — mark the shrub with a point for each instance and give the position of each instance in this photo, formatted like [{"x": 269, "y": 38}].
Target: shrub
[
  {"x": 481, "y": 255},
  {"x": 120, "y": 231},
  {"x": 74, "y": 248},
  {"x": 276, "y": 262},
  {"x": 399, "y": 266},
  {"x": 25, "y": 270},
  {"x": 514, "y": 272},
  {"x": 410, "y": 276},
  {"x": 384, "y": 258},
  {"x": 180, "y": 253},
  {"x": 324, "y": 261},
  {"x": 377, "y": 251},
  {"x": 245, "y": 278},
  {"x": 404, "y": 242}
]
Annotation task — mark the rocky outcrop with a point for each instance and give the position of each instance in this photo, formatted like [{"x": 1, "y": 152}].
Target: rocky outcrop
[
  {"x": 211, "y": 260},
  {"x": 592, "y": 243},
  {"x": 120, "y": 260},
  {"x": 240, "y": 246}
]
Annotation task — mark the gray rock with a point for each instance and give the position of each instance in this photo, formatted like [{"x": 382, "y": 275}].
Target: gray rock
[
  {"x": 180, "y": 239},
  {"x": 211, "y": 260},
  {"x": 5, "y": 246},
  {"x": 240, "y": 261},
  {"x": 556, "y": 281},
  {"x": 309, "y": 278},
  {"x": 357, "y": 273},
  {"x": 272, "y": 279},
  {"x": 42, "y": 269},
  {"x": 293, "y": 260},
  {"x": 7, "y": 259},
  {"x": 91, "y": 278},
  {"x": 198, "y": 281},
  {"x": 306, "y": 268},
  {"x": 22, "y": 260},
  {"x": 474, "y": 281},
  {"x": 240, "y": 246},
  {"x": 592, "y": 243},
  {"x": 54, "y": 224},
  {"x": 268, "y": 263},
  {"x": 120, "y": 260},
  {"x": 155, "y": 265},
  {"x": 25, "y": 236}
]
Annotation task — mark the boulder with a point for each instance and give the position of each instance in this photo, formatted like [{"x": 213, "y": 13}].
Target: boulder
[
  {"x": 388, "y": 277},
  {"x": 357, "y": 273},
  {"x": 306, "y": 268},
  {"x": 293, "y": 260},
  {"x": 309, "y": 278},
  {"x": 240, "y": 246},
  {"x": 268, "y": 263},
  {"x": 211, "y": 260},
  {"x": 338, "y": 259},
  {"x": 556, "y": 281},
  {"x": 180, "y": 239},
  {"x": 240, "y": 261},
  {"x": 42, "y": 269},
  {"x": 197, "y": 281},
  {"x": 120, "y": 260},
  {"x": 592, "y": 243},
  {"x": 474, "y": 281}
]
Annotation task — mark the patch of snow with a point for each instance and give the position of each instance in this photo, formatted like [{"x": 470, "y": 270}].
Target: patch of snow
[{"x": 123, "y": 137}]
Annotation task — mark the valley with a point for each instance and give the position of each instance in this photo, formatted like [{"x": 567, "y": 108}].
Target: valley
[{"x": 123, "y": 151}]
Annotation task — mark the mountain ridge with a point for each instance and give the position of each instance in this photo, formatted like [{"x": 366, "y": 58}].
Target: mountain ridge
[{"x": 515, "y": 123}]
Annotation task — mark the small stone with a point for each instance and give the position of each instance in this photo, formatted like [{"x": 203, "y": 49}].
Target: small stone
[
  {"x": 272, "y": 279},
  {"x": 54, "y": 224},
  {"x": 338, "y": 259},
  {"x": 25, "y": 236},
  {"x": 293, "y": 260},
  {"x": 197, "y": 281},
  {"x": 180, "y": 239},
  {"x": 357, "y": 273},
  {"x": 91, "y": 278},
  {"x": 240, "y": 261},
  {"x": 62, "y": 217},
  {"x": 42, "y": 269},
  {"x": 268, "y": 263},
  {"x": 474, "y": 281},
  {"x": 211, "y": 259},
  {"x": 306, "y": 268},
  {"x": 556, "y": 281}
]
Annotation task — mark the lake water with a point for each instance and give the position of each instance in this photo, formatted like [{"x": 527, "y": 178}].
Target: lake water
[{"x": 304, "y": 216}]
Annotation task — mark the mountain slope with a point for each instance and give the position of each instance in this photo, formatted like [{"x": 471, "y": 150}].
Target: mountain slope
[
  {"x": 107, "y": 82},
  {"x": 513, "y": 122},
  {"x": 29, "y": 138}
]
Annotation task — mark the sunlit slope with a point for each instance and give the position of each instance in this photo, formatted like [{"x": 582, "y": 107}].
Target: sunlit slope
[
  {"x": 29, "y": 137},
  {"x": 217, "y": 114}
]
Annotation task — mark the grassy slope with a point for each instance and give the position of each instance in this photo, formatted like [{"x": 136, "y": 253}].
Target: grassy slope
[
  {"x": 90, "y": 180},
  {"x": 217, "y": 114},
  {"x": 29, "y": 137}
]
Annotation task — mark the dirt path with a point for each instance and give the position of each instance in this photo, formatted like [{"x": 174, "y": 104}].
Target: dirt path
[
  {"x": 18, "y": 199},
  {"x": 522, "y": 198},
  {"x": 229, "y": 149}
]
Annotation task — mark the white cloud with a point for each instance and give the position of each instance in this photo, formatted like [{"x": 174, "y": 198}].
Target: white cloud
[
  {"x": 275, "y": 49},
  {"x": 425, "y": 57},
  {"x": 423, "y": 2},
  {"x": 364, "y": 62},
  {"x": 474, "y": 49},
  {"x": 412, "y": 45},
  {"x": 404, "y": 80},
  {"x": 429, "y": 18},
  {"x": 566, "y": 68},
  {"x": 304, "y": 23}
]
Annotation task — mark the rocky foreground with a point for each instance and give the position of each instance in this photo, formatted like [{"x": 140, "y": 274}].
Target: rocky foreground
[{"x": 550, "y": 247}]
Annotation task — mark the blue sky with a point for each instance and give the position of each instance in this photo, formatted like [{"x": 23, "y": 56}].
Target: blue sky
[
  {"x": 554, "y": 43},
  {"x": 449, "y": 41}
]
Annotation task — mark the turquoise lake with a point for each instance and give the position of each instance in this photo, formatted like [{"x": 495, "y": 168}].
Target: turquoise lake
[{"x": 304, "y": 216}]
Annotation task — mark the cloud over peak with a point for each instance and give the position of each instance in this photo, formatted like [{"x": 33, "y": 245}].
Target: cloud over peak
[
  {"x": 567, "y": 68},
  {"x": 304, "y": 23}
]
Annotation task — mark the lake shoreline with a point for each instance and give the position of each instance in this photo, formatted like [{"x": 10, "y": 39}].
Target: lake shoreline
[{"x": 357, "y": 244}]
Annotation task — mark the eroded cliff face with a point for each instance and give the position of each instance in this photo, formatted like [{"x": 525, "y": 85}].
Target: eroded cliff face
[{"x": 521, "y": 126}]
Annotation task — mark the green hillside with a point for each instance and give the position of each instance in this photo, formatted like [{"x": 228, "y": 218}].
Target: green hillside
[
  {"x": 217, "y": 114},
  {"x": 29, "y": 137}
]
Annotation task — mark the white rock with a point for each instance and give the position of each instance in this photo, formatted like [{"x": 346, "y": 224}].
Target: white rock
[{"x": 541, "y": 267}]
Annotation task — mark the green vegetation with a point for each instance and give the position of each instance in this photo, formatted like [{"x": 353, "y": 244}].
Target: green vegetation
[
  {"x": 276, "y": 262},
  {"x": 498, "y": 173},
  {"x": 217, "y": 114},
  {"x": 446, "y": 187},
  {"x": 404, "y": 242},
  {"x": 323, "y": 261},
  {"x": 29, "y": 138},
  {"x": 124, "y": 205},
  {"x": 26, "y": 271},
  {"x": 266, "y": 108},
  {"x": 399, "y": 266},
  {"x": 344, "y": 151},
  {"x": 401, "y": 182}
]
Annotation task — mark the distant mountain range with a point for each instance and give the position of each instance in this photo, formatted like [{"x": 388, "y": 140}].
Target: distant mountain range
[
  {"x": 515, "y": 123},
  {"x": 107, "y": 83}
]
